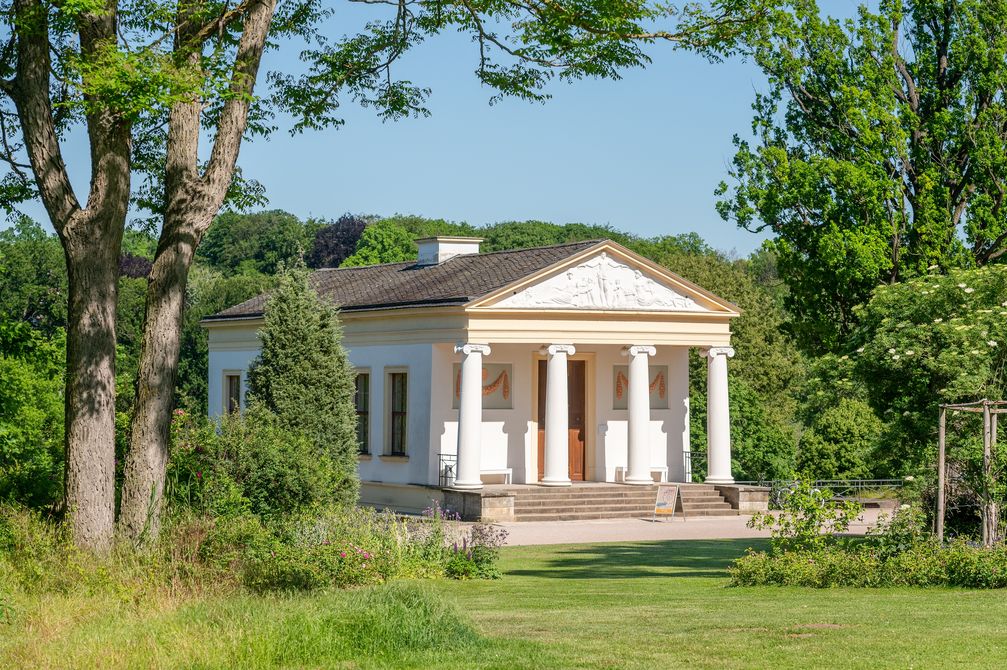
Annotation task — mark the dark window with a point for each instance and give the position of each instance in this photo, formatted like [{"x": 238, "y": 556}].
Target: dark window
[
  {"x": 232, "y": 393},
  {"x": 363, "y": 402},
  {"x": 397, "y": 417}
]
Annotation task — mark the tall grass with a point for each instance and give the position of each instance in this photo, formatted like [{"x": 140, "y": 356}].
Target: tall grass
[{"x": 181, "y": 603}]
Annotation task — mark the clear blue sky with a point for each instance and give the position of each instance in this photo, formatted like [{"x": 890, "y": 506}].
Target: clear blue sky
[{"x": 643, "y": 154}]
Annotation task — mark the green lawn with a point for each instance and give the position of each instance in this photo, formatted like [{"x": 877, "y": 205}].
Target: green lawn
[{"x": 639, "y": 605}]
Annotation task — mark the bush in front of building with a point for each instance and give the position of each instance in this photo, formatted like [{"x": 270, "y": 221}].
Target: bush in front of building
[
  {"x": 477, "y": 555},
  {"x": 247, "y": 464},
  {"x": 303, "y": 376}
]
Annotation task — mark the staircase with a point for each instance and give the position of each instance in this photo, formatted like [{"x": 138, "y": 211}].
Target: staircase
[
  {"x": 704, "y": 500},
  {"x": 609, "y": 501}
]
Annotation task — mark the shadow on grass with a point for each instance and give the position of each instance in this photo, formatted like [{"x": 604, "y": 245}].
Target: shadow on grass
[{"x": 672, "y": 558}]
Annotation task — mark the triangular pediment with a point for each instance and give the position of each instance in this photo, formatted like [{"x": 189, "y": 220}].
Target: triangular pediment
[{"x": 606, "y": 279}]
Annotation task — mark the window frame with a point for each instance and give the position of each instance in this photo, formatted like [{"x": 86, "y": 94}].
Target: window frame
[
  {"x": 227, "y": 376},
  {"x": 396, "y": 420},
  {"x": 363, "y": 445}
]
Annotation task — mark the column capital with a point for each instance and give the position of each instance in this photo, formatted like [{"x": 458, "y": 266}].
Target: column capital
[
  {"x": 554, "y": 349},
  {"x": 469, "y": 348},
  {"x": 635, "y": 350},
  {"x": 718, "y": 351}
]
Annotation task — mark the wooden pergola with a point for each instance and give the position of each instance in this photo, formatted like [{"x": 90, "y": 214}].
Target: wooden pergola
[{"x": 990, "y": 409}]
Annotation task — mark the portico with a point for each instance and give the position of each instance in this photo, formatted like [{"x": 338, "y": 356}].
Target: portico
[
  {"x": 560, "y": 389},
  {"x": 538, "y": 367}
]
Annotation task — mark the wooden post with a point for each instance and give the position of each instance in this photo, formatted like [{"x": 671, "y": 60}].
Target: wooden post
[
  {"x": 940, "y": 475},
  {"x": 994, "y": 505},
  {"x": 987, "y": 511}
]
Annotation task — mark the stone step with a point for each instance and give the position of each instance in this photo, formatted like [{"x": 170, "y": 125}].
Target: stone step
[
  {"x": 572, "y": 515},
  {"x": 701, "y": 506},
  {"x": 585, "y": 496},
  {"x": 712, "y": 512},
  {"x": 575, "y": 516},
  {"x": 561, "y": 490},
  {"x": 613, "y": 501},
  {"x": 522, "y": 502},
  {"x": 583, "y": 509}
]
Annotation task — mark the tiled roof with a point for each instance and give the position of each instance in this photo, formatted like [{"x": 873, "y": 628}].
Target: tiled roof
[{"x": 456, "y": 281}]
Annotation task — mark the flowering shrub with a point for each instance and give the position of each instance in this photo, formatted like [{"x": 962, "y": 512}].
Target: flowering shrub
[
  {"x": 476, "y": 556},
  {"x": 904, "y": 530},
  {"x": 293, "y": 567},
  {"x": 931, "y": 340}
]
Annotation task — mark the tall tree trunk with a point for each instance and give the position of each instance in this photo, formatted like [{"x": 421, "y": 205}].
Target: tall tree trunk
[
  {"x": 91, "y": 238},
  {"x": 192, "y": 200},
  {"x": 90, "y": 390},
  {"x": 147, "y": 459}
]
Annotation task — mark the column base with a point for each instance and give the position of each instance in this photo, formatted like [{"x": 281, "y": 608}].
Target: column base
[
  {"x": 467, "y": 486},
  {"x": 639, "y": 481},
  {"x": 719, "y": 480},
  {"x": 555, "y": 482}
]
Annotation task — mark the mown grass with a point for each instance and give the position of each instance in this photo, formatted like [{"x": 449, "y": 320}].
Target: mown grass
[{"x": 635, "y": 605}]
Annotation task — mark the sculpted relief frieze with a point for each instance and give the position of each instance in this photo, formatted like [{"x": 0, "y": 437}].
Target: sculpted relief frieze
[{"x": 602, "y": 283}]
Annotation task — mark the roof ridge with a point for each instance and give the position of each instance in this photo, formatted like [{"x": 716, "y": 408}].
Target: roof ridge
[
  {"x": 548, "y": 246},
  {"x": 481, "y": 253},
  {"x": 367, "y": 267}
]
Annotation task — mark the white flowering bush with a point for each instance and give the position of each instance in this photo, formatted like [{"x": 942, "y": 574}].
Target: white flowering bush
[{"x": 932, "y": 340}]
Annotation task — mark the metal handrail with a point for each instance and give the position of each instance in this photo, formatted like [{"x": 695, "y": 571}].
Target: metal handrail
[
  {"x": 695, "y": 465},
  {"x": 447, "y": 466},
  {"x": 840, "y": 488}
]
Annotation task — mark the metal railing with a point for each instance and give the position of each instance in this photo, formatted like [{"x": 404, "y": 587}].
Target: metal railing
[
  {"x": 446, "y": 468},
  {"x": 695, "y": 466},
  {"x": 840, "y": 488}
]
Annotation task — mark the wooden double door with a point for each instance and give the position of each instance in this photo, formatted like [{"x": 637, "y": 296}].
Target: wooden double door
[{"x": 576, "y": 381}]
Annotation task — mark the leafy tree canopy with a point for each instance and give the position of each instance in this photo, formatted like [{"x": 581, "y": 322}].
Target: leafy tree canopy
[
  {"x": 33, "y": 279},
  {"x": 383, "y": 242},
  {"x": 878, "y": 150},
  {"x": 335, "y": 242},
  {"x": 843, "y": 442},
  {"x": 260, "y": 242},
  {"x": 31, "y": 415}
]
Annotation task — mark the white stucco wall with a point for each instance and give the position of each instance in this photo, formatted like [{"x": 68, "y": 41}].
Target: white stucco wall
[
  {"x": 232, "y": 350},
  {"x": 507, "y": 434},
  {"x": 669, "y": 428},
  {"x": 379, "y": 360}
]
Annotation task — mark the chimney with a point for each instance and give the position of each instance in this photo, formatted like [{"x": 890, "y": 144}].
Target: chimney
[{"x": 436, "y": 250}]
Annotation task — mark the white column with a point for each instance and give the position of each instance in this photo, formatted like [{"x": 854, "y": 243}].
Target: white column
[
  {"x": 470, "y": 416},
  {"x": 557, "y": 428},
  {"x": 718, "y": 417},
  {"x": 638, "y": 470}
]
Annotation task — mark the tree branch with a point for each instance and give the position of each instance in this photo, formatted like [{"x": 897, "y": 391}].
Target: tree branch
[
  {"x": 234, "y": 115},
  {"x": 30, "y": 93}
]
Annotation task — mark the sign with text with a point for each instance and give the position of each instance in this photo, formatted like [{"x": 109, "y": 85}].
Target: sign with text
[{"x": 667, "y": 500}]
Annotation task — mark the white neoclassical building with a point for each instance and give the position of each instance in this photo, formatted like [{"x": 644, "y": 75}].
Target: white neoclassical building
[{"x": 548, "y": 366}]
